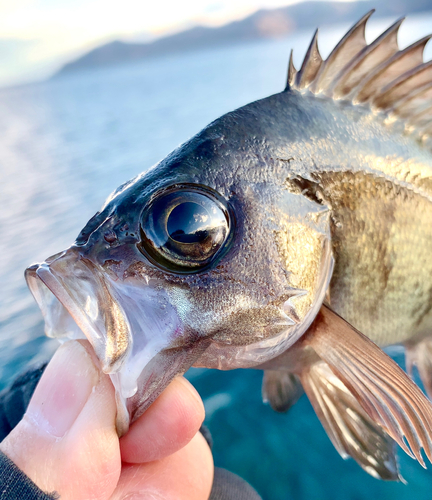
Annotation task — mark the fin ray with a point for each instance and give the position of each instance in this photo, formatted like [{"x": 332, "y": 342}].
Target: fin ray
[
  {"x": 407, "y": 428},
  {"x": 311, "y": 64},
  {"x": 414, "y": 105},
  {"x": 292, "y": 72},
  {"x": 402, "y": 62},
  {"x": 350, "y": 45},
  {"x": 384, "y": 391},
  {"x": 421, "y": 121},
  {"x": 379, "y": 51},
  {"x": 281, "y": 389},
  {"x": 403, "y": 86},
  {"x": 349, "y": 427},
  {"x": 377, "y": 75}
]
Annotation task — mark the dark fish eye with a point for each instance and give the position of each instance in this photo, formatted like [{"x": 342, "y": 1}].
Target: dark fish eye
[{"x": 185, "y": 228}]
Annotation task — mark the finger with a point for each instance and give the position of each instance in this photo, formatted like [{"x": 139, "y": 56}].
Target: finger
[
  {"x": 185, "y": 475},
  {"x": 67, "y": 440},
  {"x": 168, "y": 425}
]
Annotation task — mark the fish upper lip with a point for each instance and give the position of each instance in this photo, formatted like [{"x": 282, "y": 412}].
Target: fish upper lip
[{"x": 63, "y": 306}]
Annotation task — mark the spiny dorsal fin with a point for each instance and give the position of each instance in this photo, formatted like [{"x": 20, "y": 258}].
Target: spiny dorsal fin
[
  {"x": 403, "y": 86},
  {"x": 311, "y": 64},
  {"x": 379, "y": 74},
  {"x": 350, "y": 45},
  {"x": 379, "y": 51},
  {"x": 388, "y": 71},
  {"x": 292, "y": 72},
  {"x": 415, "y": 104}
]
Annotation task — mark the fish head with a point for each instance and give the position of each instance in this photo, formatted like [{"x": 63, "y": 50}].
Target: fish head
[{"x": 209, "y": 259}]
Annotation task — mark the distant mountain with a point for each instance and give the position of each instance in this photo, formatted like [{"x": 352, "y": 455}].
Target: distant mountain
[{"x": 262, "y": 24}]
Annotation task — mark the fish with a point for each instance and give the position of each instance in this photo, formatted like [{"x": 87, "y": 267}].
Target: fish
[{"x": 292, "y": 236}]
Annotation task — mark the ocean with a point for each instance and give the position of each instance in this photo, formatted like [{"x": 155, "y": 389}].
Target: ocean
[{"x": 65, "y": 144}]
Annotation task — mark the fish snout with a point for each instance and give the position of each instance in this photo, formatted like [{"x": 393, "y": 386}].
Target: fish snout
[
  {"x": 135, "y": 331},
  {"x": 76, "y": 302}
]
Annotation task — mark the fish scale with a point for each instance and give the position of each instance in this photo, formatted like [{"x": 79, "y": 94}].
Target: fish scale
[{"x": 384, "y": 231}]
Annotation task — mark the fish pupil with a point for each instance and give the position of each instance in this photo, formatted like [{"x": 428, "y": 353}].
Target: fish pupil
[
  {"x": 185, "y": 228},
  {"x": 188, "y": 223}
]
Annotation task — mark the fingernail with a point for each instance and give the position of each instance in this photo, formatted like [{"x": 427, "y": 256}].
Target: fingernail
[
  {"x": 144, "y": 495},
  {"x": 63, "y": 390}
]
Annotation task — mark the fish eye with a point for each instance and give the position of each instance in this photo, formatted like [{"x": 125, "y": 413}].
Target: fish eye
[{"x": 185, "y": 228}]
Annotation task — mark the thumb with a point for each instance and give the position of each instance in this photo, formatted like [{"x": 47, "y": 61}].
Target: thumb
[{"x": 66, "y": 441}]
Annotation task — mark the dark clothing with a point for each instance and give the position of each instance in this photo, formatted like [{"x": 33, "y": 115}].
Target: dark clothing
[
  {"x": 15, "y": 485},
  {"x": 229, "y": 486},
  {"x": 15, "y": 399}
]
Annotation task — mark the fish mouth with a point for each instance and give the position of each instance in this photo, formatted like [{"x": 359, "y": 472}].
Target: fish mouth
[
  {"x": 130, "y": 327},
  {"x": 77, "y": 302}
]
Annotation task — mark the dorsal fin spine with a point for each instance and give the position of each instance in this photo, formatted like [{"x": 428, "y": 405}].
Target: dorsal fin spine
[
  {"x": 403, "y": 86},
  {"x": 414, "y": 104},
  {"x": 291, "y": 71},
  {"x": 386, "y": 43},
  {"x": 311, "y": 64},
  {"x": 401, "y": 62},
  {"x": 422, "y": 120},
  {"x": 332, "y": 64},
  {"x": 378, "y": 75}
]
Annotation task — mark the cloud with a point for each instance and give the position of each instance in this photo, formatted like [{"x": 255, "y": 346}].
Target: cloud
[{"x": 13, "y": 49}]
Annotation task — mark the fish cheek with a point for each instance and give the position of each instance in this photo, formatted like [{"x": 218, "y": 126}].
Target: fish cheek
[{"x": 269, "y": 283}]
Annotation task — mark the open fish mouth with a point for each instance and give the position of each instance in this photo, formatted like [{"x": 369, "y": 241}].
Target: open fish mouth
[
  {"x": 75, "y": 298},
  {"x": 130, "y": 329}
]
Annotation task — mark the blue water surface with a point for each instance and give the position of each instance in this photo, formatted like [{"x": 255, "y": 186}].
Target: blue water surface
[{"x": 66, "y": 144}]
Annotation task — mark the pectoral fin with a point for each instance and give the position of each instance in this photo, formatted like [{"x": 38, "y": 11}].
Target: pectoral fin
[
  {"x": 383, "y": 390},
  {"x": 348, "y": 426},
  {"x": 281, "y": 389}
]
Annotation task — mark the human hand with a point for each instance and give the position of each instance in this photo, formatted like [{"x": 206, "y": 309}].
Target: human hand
[{"x": 67, "y": 441}]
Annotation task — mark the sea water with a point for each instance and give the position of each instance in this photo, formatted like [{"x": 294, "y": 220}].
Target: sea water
[{"x": 65, "y": 144}]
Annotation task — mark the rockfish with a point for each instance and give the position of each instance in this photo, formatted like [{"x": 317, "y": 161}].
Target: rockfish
[{"x": 270, "y": 240}]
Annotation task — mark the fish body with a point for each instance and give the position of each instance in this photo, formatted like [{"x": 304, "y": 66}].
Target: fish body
[
  {"x": 270, "y": 240},
  {"x": 377, "y": 185}
]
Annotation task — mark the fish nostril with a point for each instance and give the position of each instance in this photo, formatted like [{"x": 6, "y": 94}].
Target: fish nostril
[{"x": 110, "y": 236}]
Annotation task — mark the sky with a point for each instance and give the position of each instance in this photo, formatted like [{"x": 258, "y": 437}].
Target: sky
[{"x": 38, "y": 36}]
